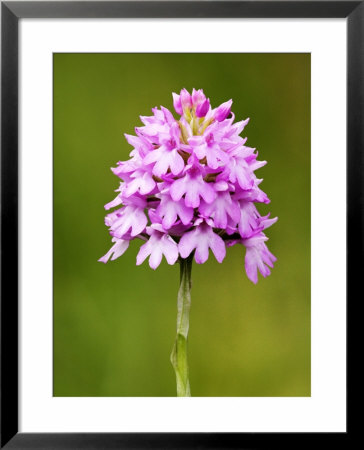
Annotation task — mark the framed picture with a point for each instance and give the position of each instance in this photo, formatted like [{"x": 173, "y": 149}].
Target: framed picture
[{"x": 185, "y": 102}]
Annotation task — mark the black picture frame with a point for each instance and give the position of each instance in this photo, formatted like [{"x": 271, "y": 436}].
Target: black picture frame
[{"x": 11, "y": 12}]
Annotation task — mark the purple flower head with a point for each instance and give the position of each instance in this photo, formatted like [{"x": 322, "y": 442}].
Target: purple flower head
[{"x": 190, "y": 187}]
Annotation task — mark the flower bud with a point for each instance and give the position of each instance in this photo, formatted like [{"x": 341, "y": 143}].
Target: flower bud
[
  {"x": 202, "y": 108},
  {"x": 198, "y": 97},
  {"x": 185, "y": 98},
  {"x": 223, "y": 111},
  {"x": 177, "y": 103}
]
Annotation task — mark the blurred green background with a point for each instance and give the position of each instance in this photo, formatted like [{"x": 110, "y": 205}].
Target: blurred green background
[{"x": 114, "y": 324}]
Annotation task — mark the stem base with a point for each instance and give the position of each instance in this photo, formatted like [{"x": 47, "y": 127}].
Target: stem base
[{"x": 179, "y": 352}]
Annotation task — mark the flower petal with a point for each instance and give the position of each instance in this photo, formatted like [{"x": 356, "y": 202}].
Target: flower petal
[
  {"x": 116, "y": 250},
  {"x": 155, "y": 258},
  {"x": 217, "y": 246},
  {"x": 144, "y": 251},
  {"x": 187, "y": 243}
]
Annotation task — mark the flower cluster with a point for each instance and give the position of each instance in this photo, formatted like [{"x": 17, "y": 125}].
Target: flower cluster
[{"x": 189, "y": 186}]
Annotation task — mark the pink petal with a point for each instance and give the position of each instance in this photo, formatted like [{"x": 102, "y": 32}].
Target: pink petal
[
  {"x": 202, "y": 251},
  {"x": 250, "y": 266},
  {"x": 185, "y": 214},
  {"x": 187, "y": 244},
  {"x": 207, "y": 192},
  {"x": 116, "y": 250},
  {"x": 185, "y": 98},
  {"x": 192, "y": 198},
  {"x": 202, "y": 108},
  {"x": 217, "y": 246},
  {"x": 144, "y": 252},
  {"x": 178, "y": 189},
  {"x": 223, "y": 111},
  {"x": 117, "y": 201},
  {"x": 170, "y": 250},
  {"x": 151, "y": 157},
  {"x": 177, "y": 103},
  {"x": 177, "y": 164},
  {"x": 155, "y": 258},
  {"x": 170, "y": 217},
  {"x": 139, "y": 223},
  {"x": 161, "y": 166}
]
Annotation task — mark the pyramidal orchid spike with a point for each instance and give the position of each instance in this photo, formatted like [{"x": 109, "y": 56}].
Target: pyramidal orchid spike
[{"x": 189, "y": 189}]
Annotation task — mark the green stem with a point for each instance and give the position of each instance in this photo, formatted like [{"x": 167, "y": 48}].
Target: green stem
[{"x": 179, "y": 352}]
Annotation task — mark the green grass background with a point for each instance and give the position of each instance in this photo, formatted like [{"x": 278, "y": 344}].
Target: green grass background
[{"x": 114, "y": 324}]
